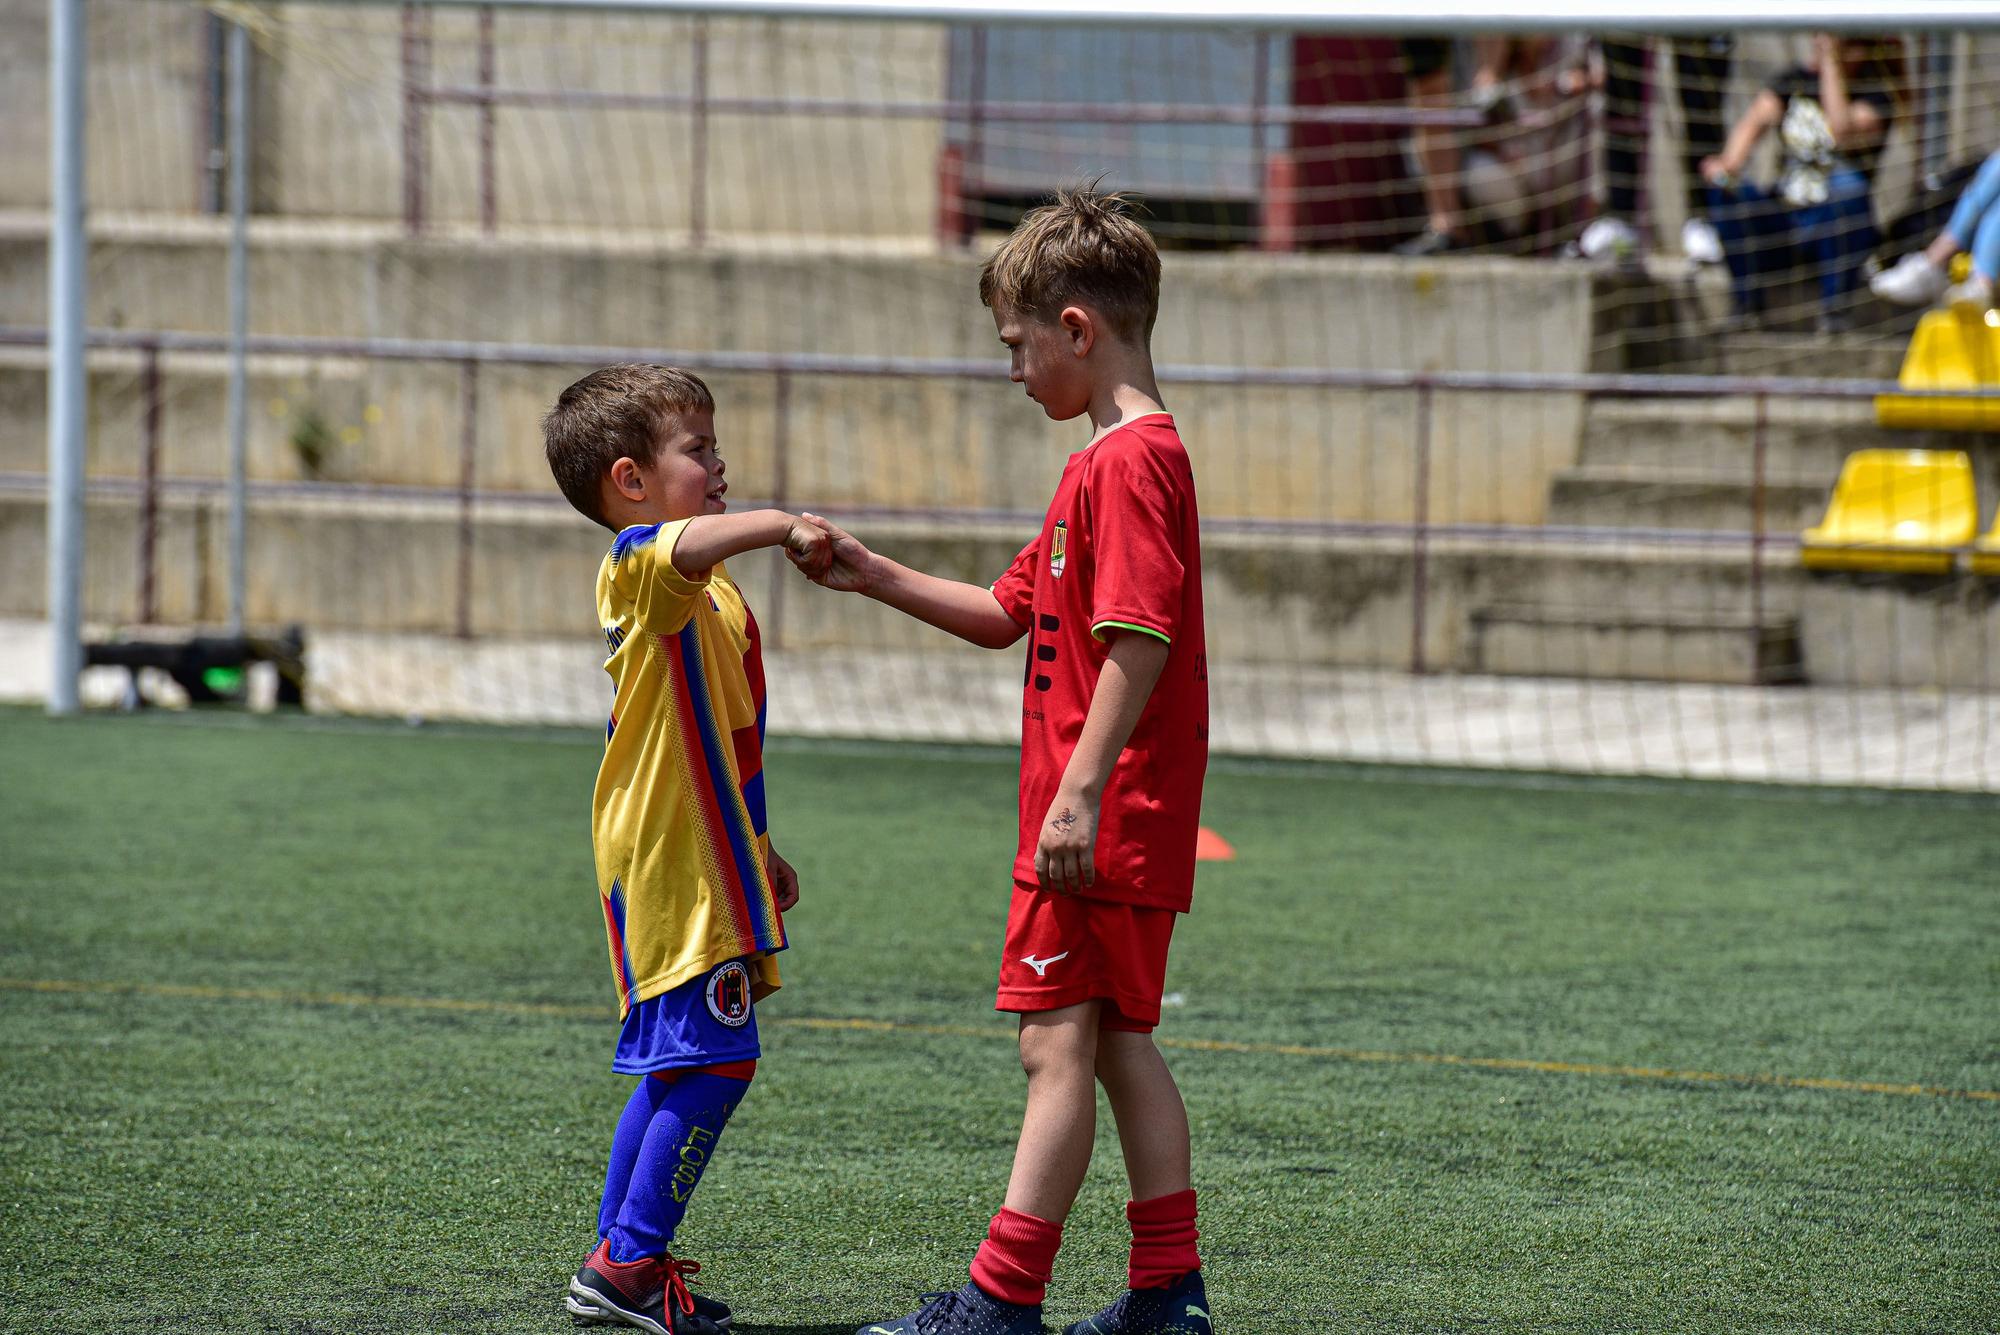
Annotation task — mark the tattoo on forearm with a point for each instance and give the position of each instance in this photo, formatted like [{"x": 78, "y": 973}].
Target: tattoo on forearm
[{"x": 1065, "y": 822}]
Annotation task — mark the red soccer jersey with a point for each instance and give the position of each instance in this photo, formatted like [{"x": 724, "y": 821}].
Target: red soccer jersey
[{"x": 1120, "y": 548}]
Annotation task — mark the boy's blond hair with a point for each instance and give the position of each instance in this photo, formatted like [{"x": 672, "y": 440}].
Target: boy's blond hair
[
  {"x": 1084, "y": 247},
  {"x": 619, "y": 412}
]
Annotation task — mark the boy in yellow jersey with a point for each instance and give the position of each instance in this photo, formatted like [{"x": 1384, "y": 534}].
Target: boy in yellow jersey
[{"x": 691, "y": 889}]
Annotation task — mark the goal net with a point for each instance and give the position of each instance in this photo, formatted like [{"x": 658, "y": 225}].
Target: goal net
[{"x": 1532, "y": 380}]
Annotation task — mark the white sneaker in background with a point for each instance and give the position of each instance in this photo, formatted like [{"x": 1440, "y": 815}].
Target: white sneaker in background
[
  {"x": 1974, "y": 291},
  {"x": 1914, "y": 281},
  {"x": 1609, "y": 238},
  {"x": 1699, "y": 241}
]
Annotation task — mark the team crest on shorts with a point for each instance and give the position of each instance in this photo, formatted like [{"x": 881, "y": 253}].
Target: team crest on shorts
[
  {"x": 728, "y": 994},
  {"x": 1059, "y": 548}
]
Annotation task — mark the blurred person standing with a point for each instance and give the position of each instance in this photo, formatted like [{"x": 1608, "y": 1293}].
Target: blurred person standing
[
  {"x": 1701, "y": 76},
  {"x": 1487, "y": 185}
]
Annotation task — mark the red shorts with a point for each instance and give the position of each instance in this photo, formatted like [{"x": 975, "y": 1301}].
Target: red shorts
[{"x": 1063, "y": 949}]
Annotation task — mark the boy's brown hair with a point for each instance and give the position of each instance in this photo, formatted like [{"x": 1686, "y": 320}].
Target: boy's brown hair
[
  {"x": 1084, "y": 247},
  {"x": 618, "y": 412}
]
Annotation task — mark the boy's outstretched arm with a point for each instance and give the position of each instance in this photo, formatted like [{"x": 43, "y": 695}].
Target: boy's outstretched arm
[
  {"x": 1065, "y": 856},
  {"x": 966, "y": 610},
  {"x": 710, "y": 539}
]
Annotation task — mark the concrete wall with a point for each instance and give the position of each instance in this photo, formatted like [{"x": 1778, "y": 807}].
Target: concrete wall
[
  {"x": 328, "y": 119},
  {"x": 1277, "y": 453},
  {"x": 145, "y": 86},
  {"x": 334, "y": 122},
  {"x": 1291, "y": 602}
]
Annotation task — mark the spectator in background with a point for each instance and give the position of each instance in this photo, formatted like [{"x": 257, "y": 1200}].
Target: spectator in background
[
  {"x": 1701, "y": 75},
  {"x": 1428, "y": 67},
  {"x": 1923, "y": 277},
  {"x": 1483, "y": 185},
  {"x": 1832, "y": 114}
]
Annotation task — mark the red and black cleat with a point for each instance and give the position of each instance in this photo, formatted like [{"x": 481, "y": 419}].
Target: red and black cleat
[{"x": 649, "y": 1294}]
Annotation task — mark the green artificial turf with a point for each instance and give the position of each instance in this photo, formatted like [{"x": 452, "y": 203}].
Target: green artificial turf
[{"x": 226, "y": 1148}]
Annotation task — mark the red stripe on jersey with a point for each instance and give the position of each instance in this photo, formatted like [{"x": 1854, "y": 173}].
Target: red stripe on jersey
[
  {"x": 618, "y": 961},
  {"x": 708, "y": 805},
  {"x": 748, "y": 743},
  {"x": 749, "y": 754}
]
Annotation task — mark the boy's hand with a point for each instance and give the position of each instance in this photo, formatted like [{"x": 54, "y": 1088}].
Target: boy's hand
[
  {"x": 1065, "y": 856},
  {"x": 851, "y": 567},
  {"x": 784, "y": 882},
  {"x": 809, "y": 547}
]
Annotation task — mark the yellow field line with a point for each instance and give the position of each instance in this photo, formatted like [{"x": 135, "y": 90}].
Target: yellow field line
[{"x": 1364, "y": 1055}]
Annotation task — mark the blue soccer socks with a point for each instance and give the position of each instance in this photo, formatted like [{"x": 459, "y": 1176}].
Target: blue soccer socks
[
  {"x": 626, "y": 1143},
  {"x": 665, "y": 1139}
]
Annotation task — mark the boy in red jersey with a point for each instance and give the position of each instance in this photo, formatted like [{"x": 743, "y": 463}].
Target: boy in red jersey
[{"x": 1114, "y": 743}]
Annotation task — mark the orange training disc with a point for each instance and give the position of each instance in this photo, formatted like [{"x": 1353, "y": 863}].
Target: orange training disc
[{"x": 1212, "y": 847}]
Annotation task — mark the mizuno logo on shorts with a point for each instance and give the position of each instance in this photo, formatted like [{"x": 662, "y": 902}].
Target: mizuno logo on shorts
[{"x": 1041, "y": 967}]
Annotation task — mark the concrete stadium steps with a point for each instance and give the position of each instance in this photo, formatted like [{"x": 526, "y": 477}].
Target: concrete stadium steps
[
  {"x": 1689, "y": 464},
  {"x": 407, "y": 563},
  {"x": 1533, "y": 640},
  {"x": 1858, "y": 356},
  {"x": 892, "y": 455},
  {"x": 1682, "y": 499},
  {"x": 1638, "y": 610},
  {"x": 1803, "y": 438},
  {"x": 1279, "y": 453},
  {"x": 299, "y": 408},
  {"x": 907, "y": 298},
  {"x": 1285, "y": 452}
]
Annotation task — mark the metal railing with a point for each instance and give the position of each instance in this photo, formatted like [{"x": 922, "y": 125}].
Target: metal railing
[
  {"x": 1419, "y": 532},
  {"x": 1277, "y": 202}
]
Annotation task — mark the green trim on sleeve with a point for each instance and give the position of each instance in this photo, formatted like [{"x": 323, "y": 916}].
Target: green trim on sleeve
[{"x": 1097, "y": 631}]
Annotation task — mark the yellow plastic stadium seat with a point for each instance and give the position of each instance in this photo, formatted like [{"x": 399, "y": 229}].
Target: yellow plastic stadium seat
[
  {"x": 1952, "y": 349},
  {"x": 1986, "y": 555},
  {"x": 1891, "y": 505}
]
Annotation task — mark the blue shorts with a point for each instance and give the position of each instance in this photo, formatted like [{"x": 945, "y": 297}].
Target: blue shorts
[{"x": 704, "y": 1022}]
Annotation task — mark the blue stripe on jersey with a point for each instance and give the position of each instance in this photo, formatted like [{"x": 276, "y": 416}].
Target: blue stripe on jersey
[
  {"x": 636, "y": 536},
  {"x": 617, "y": 899},
  {"x": 753, "y": 798},
  {"x": 741, "y": 841}
]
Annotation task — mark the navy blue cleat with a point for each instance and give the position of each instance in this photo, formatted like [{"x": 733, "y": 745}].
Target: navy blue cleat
[
  {"x": 969, "y": 1311},
  {"x": 1179, "y": 1309}
]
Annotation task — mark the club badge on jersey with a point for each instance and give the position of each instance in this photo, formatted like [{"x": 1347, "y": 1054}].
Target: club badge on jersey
[
  {"x": 728, "y": 994},
  {"x": 1059, "y": 548}
]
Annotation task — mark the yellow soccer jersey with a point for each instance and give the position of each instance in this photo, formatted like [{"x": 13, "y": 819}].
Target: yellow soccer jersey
[{"x": 678, "y": 818}]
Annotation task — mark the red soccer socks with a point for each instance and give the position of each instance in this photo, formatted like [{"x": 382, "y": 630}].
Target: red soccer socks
[
  {"x": 1018, "y": 1256},
  {"x": 1163, "y": 1236}
]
